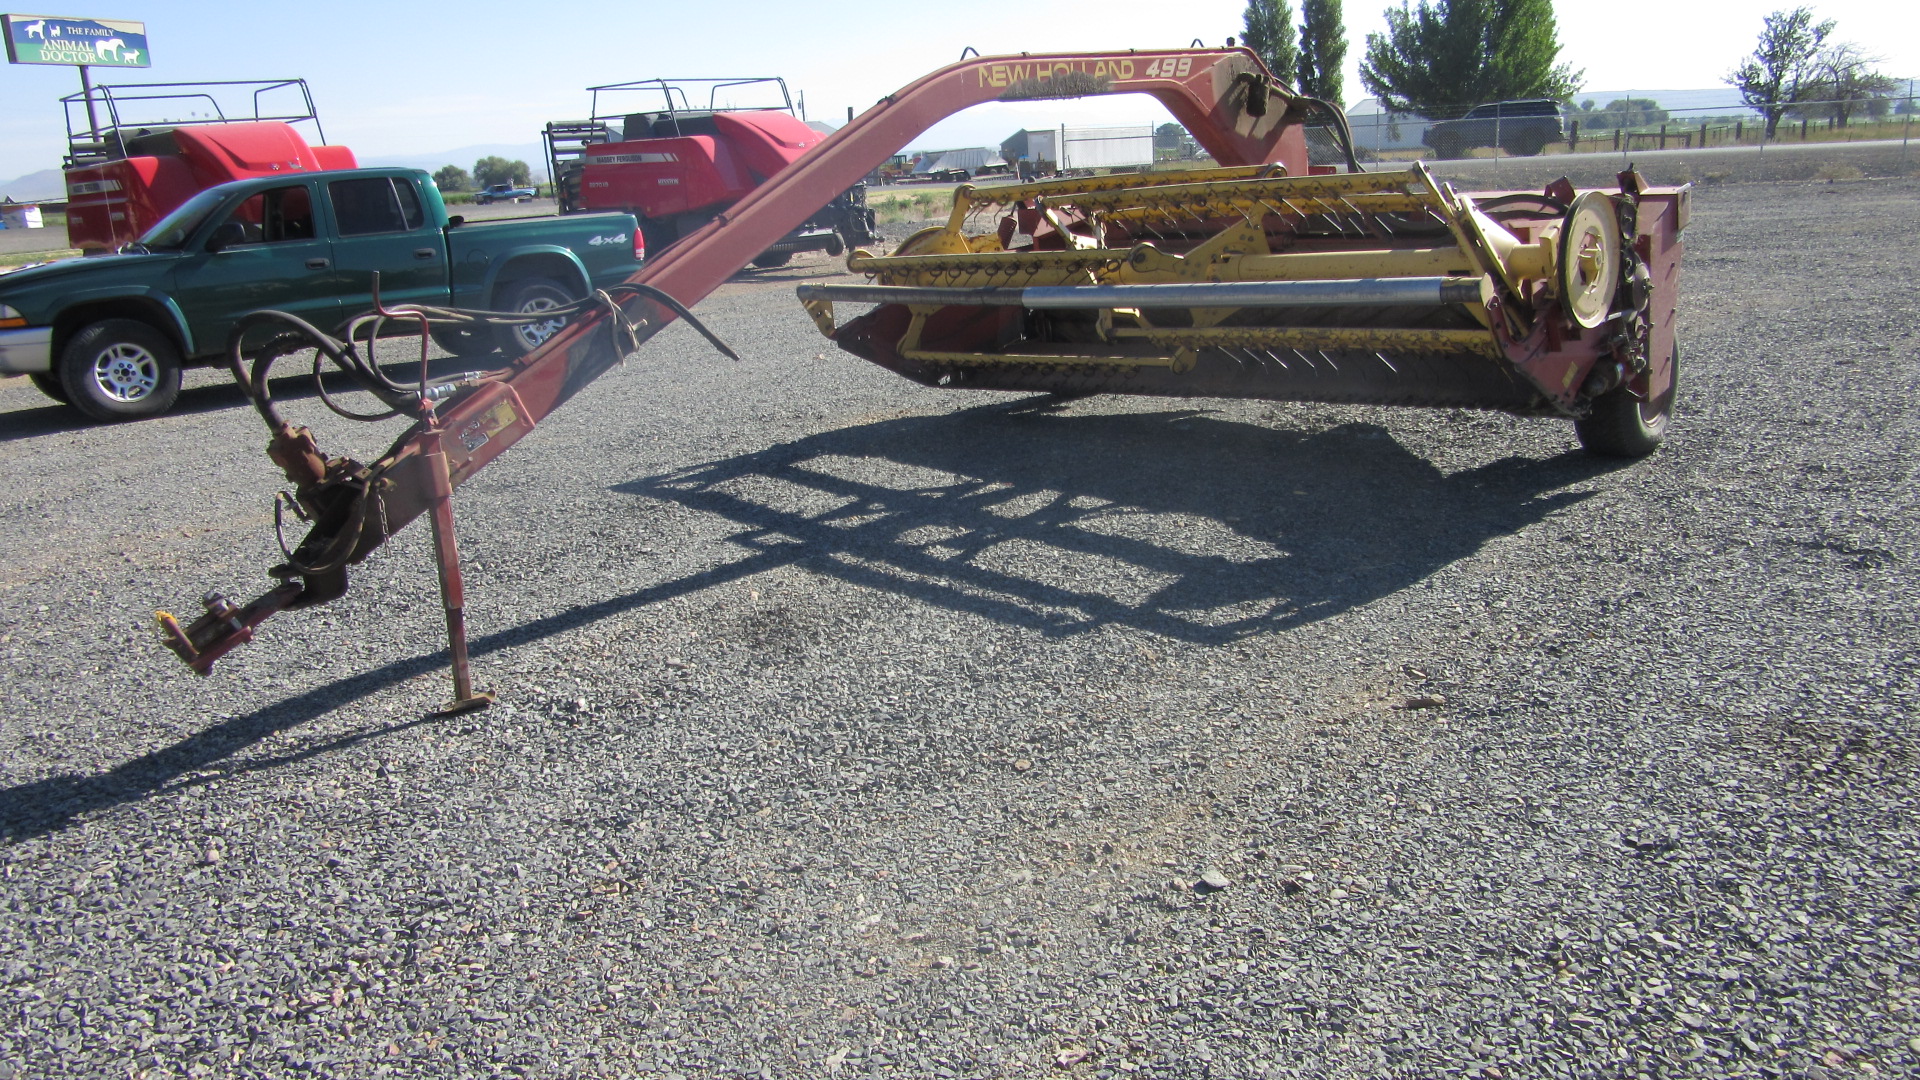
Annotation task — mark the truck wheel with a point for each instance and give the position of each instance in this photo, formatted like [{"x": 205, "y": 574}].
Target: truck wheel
[
  {"x": 49, "y": 384},
  {"x": 120, "y": 369},
  {"x": 1620, "y": 425},
  {"x": 527, "y": 296},
  {"x": 770, "y": 259}
]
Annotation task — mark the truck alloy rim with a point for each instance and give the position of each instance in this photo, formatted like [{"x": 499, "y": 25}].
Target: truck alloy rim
[
  {"x": 126, "y": 372},
  {"x": 536, "y": 334}
]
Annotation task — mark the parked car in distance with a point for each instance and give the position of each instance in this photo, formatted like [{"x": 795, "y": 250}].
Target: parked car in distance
[
  {"x": 1521, "y": 128},
  {"x": 109, "y": 335},
  {"x": 503, "y": 193}
]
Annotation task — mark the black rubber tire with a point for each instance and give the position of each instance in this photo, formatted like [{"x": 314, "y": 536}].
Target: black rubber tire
[
  {"x": 120, "y": 369},
  {"x": 48, "y": 383},
  {"x": 769, "y": 260},
  {"x": 463, "y": 342},
  {"x": 531, "y": 294},
  {"x": 1622, "y": 426},
  {"x": 1530, "y": 146},
  {"x": 1443, "y": 148}
]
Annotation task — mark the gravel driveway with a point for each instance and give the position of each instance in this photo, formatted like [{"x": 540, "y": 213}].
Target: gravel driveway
[{"x": 851, "y": 728}]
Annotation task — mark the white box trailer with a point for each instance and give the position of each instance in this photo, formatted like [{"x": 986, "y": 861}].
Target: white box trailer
[
  {"x": 1106, "y": 147},
  {"x": 1063, "y": 147}
]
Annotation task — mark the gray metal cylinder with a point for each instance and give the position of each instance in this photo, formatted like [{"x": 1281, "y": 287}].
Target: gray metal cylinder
[{"x": 1351, "y": 292}]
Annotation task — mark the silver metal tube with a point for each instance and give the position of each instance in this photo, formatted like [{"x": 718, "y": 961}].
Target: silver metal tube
[{"x": 1350, "y": 292}]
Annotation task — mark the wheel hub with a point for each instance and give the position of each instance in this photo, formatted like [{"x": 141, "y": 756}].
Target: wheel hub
[
  {"x": 1590, "y": 258},
  {"x": 126, "y": 373}
]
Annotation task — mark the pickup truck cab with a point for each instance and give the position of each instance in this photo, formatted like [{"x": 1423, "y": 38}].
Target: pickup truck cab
[
  {"x": 503, "y": 193},
  {"x": 110, "y": 334}
]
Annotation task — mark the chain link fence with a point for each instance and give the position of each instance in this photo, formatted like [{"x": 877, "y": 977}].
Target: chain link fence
[{"x": 1823, "y": 139}]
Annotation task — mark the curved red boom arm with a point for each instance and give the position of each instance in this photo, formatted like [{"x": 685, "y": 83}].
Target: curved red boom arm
[{"x": 1224, "y": 97}]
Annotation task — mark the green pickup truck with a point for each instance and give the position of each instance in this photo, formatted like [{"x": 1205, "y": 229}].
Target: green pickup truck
[{"x": 110, "y": 334}]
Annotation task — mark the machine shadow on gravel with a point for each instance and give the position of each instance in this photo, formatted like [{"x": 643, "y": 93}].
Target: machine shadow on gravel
[{"x": 1177, "y": 523}]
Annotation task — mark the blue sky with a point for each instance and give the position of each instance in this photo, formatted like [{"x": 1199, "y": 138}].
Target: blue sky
[{"x": 395, "y": 79}]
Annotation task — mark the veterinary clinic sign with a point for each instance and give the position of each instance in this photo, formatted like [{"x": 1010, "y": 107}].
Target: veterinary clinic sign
[{"x": 57, "y": 39}]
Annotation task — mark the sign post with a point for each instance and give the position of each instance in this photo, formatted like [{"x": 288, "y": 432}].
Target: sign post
[{"x": 73, "y": 42}]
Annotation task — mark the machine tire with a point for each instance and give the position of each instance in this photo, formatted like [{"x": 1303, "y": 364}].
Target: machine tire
[
  {"x": 1443, "y": 147},
  {"x": 48, "y": 383},
  {"x": 768, "y": 260},
  {"x": 464, "y": 342},
  {"x": 528, "y": 295},
  {"x": 1621, "y": 425},
  {"x": 120, "y": 369},
  {"x": 659, "y": 234}
]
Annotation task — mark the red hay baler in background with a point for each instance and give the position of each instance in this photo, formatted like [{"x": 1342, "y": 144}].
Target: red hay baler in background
[
  {"x": 675, "y": 153},
  {"x": 136, "y": 152}
]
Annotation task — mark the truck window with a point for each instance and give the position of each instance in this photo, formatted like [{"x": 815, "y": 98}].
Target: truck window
[
  {"x": 378, "y": 204},
  {"x": 170, "y": 233},
  {"x": 273, "y": 216}
]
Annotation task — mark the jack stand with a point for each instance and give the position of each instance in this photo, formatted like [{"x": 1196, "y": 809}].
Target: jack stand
[
  {"x": 452, "y": 590},
  {"x": 446, "y": 552}
]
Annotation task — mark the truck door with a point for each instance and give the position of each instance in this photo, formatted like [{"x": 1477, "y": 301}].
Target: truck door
[
  {"x": 380, "y": 226},
  {"x": 264, "y": 253}
]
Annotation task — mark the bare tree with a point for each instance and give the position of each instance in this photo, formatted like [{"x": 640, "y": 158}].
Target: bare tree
[
  {"x": 1784, "y": 64},
  {"x": 1846, "y": 81}
]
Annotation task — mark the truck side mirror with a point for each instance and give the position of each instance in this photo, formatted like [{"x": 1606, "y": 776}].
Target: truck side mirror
[{"x": 227, "y": 236}]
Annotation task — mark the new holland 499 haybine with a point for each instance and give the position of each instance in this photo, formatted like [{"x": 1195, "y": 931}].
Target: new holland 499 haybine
[{"x": 1265, "y": 278}]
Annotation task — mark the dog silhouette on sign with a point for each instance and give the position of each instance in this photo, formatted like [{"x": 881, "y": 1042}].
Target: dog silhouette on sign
[{"x": 36, "y": 29}]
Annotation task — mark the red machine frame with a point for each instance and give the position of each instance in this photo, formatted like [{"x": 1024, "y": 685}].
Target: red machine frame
[{"x": 1224, "y": 98}]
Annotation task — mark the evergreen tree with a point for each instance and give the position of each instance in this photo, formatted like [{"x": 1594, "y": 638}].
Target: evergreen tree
[
  {"x": 1270, "y": 35},
  {"x": 1323, "y": 51},
  {"x": 1445, "y": 56}
]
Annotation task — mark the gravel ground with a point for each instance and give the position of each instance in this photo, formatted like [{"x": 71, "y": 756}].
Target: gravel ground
[{"x": 850, "y": 728}]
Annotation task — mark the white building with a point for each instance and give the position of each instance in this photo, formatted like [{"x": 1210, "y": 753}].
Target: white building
[{"x": 1375, "y": 129}]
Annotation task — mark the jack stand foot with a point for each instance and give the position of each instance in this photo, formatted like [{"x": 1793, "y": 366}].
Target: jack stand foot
[{"x": 457, "y": 706}]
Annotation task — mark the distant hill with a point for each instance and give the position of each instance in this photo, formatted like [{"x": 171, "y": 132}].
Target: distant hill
[{"x": 44, "y": 185}]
